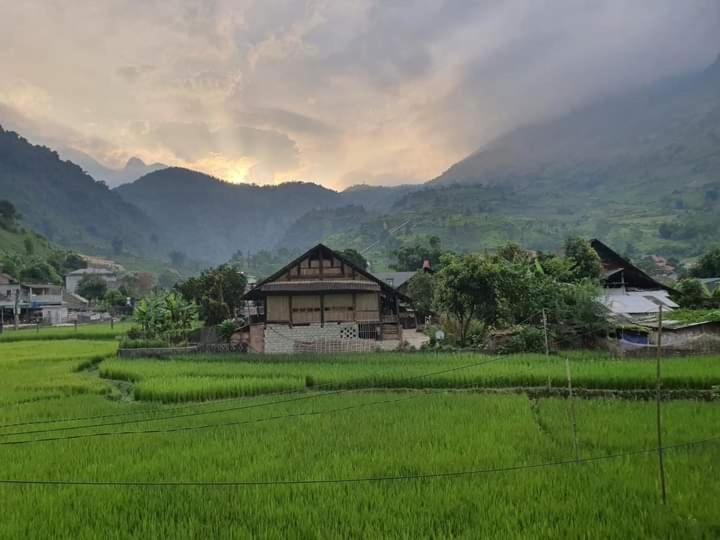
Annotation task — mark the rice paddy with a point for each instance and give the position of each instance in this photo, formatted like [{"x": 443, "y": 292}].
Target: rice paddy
[
  {"x": 100, "y": 331},
  {"x": 393, "y": 423},
  {"x": 212, "y": 377}
]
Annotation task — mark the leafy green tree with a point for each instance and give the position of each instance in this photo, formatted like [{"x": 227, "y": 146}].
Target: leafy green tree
[
  {"x": 29, "y": 246},
  {"x": 226, "y": 329},
  {"x": 708, "y": 266},
  {"x": 587, "y": 262},
  {"x": 421, "y": 290},
  {"x": 37, "y": 272},
  {"x": 168, "y": 316},
  {"x": 114, "y": 298},
  {"x": 92, "y": 287},
  {"x": 354, "y": 257},
  {"x": 9, "y": 216},
  {"x": 465, "y": 290},
  {"x": 218, "y": 291},
  {"x": 410, "y": 257},
  {"x": 692, "y": 293}
]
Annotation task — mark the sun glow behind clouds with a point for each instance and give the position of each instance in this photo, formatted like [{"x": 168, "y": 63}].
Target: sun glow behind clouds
[{"x": 230, "y": 170}]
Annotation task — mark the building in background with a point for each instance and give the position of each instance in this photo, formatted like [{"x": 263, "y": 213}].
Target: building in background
[
  {"x": 321, "y": 302},
  {"x": 73, "y": 279}
]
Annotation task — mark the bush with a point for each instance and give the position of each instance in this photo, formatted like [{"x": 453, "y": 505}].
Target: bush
[{"x": 528, "y": 339}]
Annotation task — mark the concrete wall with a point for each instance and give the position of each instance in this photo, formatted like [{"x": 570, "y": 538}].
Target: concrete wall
[{"x": 330, "y": 338}]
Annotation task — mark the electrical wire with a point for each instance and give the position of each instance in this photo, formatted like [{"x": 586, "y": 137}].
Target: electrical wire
[
  {"x": 250, "y": 406},
  {"x": 359, "y": 480}
]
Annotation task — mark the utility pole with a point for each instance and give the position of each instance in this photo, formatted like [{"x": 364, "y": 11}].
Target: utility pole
[
  {"x": 545, "y": 328},
  {"x": 16, "y": 309},
  {"x": 661, "y": 465}
]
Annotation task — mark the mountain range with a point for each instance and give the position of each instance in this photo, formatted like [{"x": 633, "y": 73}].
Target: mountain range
[
  {"x": 133, "y": 169},
  {"x": 640, "y": 170}
]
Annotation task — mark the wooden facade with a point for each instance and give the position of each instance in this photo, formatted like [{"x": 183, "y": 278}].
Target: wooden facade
[{"x": 321, "y": 287}]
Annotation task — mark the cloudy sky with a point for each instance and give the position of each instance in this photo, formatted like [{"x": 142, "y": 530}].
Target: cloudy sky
[{"x": 334, "y": 91}]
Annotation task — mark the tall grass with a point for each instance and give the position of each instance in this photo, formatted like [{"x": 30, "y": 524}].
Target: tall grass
[
  {"x": 184, "y": 388},
  {"x": 442, "y": 433},
  {"x": 84, "y": 332},
  {"x": 46, "y": 370},
  {"x": 411, "y": 371}
]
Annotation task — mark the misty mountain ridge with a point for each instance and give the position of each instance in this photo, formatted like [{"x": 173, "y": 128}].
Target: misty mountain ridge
[
  {"x": 133, "y": 169},
  {"x": 61, "y": 201},
  {"x": 621, "y": 169}
]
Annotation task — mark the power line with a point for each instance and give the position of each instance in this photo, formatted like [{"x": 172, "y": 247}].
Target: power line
[
  {"x": 209, "y": 426},
  {"x": 367, "y": 479},
  {"x": 250, "y": 406}
]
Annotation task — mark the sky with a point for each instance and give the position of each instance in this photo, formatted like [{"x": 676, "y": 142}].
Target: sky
[{"x": 338, "y": 92}]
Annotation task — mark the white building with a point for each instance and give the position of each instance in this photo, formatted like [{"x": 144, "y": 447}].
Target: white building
[{"x": 73, "y": 279}]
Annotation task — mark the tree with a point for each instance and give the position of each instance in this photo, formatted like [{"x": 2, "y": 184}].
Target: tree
[
  {"x": 692, "y": 293},
  {"x": 29, "y": 246},
  {"x": 37, "y": 272},
  {"x": 114, "y": 298},
  {"x": 587, "y": 262},
  {"x": 92, "y": 287},
  {"x": 9, "y": 216},
  {"x": 708, "y": 266},
  {"x": 465, "y": 290},
  {"x": 420, "y": 289},
  {"x": 354, "y": 257},
  {"x": 168, "y": 316},
  {"x": 138, "y": 284},
  {"x": 410, "y": 257},
  {"x": 218, "y": 291}
]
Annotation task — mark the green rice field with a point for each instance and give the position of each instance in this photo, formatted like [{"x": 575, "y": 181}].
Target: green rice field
[
  {"x": 84, "y": 331},
  {"x": 355, "y": 446},
  {"x": 215, "y": 377}
]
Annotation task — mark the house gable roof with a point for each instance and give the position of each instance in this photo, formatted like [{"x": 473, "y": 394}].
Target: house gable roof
[
  {"x": 632, "y": 276},
  {"x": 257, "y": 290}
]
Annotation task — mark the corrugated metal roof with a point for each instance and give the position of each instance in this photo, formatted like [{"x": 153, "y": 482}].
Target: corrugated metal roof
[
  {"x": 395, "y": 279},
  {"x": 91, "y": 271}
]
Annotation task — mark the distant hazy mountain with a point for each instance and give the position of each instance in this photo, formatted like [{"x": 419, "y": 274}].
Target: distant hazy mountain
[
  {"x": 666, "y": 133},
  {"x": 58, "y": 199},
  {"x": 378, "y": 198},
  {"x": 640, "y": 170},
  {"x": 210, "y": 219},
  {"x": 133, "y": 169}
]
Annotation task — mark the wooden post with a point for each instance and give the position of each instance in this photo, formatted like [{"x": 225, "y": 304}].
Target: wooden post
[
  {"x": 572, "y": 411},
  {"x": 37, "y": 327},
  {"x": 661, "y": 465},
  {"x": 322, "y": 306},
  {"x": 354, "y": 307},
  {"x": 16, "y": 309},
  {"x": 76, "y": 325},
  {"x": 545, "y": 329},
  {"x": 290, "y": 310},
  {"x": 112, "y": 322}
]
